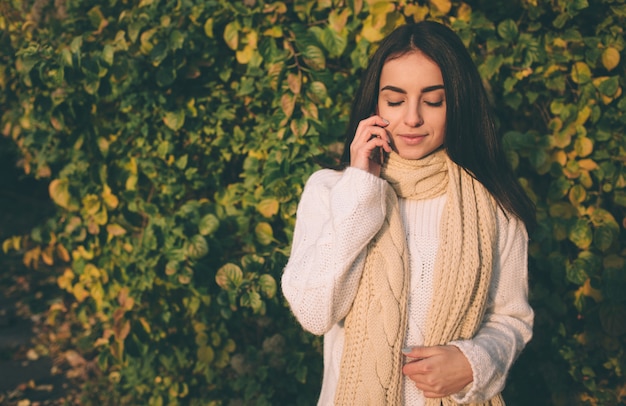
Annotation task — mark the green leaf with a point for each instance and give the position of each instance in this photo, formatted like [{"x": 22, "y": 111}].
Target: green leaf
[
  {"x": 197, "y": 247},
  {"x": 229, "y": 277},
  {"x": 205, "y": 354},
  {"x": 174, "y": 119},
  {"x": 576, "y": 272},
  {"x": 580, "y": 234},
  {"x": 251, "y": 299},
  {"x": 609, "y": 87},
  {"x": 613, "y": 318},
  {"x": 314, "y": 57},
  {"x": 507, "y": 29},
  {"x": 208, "y": 224},
  {"x": 334, "y": 42},
  {"x": 264, "y": 233},
  {"x": 603, "y": 237},
  {"x": 491, "y": 66},
  {"x": 318, "y": 92},
  {"x": 267, "y": 284}
]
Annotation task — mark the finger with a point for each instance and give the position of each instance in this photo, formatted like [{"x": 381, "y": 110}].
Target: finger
[
  {"x": 374, "y": 120},
  {"x": 369, "y": 126},
  {"x": 418, "y": 352}
]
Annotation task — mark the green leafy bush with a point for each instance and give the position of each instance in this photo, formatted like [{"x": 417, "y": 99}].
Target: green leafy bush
[{"x": 176, "y": 137}]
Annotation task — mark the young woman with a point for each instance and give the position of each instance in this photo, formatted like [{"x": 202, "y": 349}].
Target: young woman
[{"x": 412, "y": 261}]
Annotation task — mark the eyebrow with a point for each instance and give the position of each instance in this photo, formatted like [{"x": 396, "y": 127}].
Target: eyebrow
[{"x": 400, "y": 90}]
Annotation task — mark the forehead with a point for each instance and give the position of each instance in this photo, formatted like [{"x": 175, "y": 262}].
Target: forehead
[{"x": 413, "y": 68}]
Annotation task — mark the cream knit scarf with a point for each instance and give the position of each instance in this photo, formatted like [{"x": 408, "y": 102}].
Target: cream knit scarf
[{"x": 375, "y": 327}]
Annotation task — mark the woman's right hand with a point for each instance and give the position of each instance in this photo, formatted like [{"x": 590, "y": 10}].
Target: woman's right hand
[{"x": 369, "y": 141}]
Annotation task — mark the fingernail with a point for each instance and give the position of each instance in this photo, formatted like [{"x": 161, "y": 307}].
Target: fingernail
[
  {"x": 386, "y": 121},
  {"x": 407, "y": 350}
]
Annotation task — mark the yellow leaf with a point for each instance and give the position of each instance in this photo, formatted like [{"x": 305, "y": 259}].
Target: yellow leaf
[
  {"x": 610, "y": 58},
  {"x": 337, "y": 21},
  {"x": 146, "y": 44},
  {"x": 59, "y": 192},
  {"x": 294, "y": 82},
  {"x": 245, "y": 55},
  {"x": 252, "y": 39},
  {"x": 65, "y": 281},
  {"x": 109, "y": 198},
  {"x": 585, "y": 179},
  {"x": 583, "y": 115},
  {"x": 208, "y": 27},
  {"x": 310, "y": 110},
  {"x": 560, "y": 157},
  {"x": 581, "y": 73},
  {"x": 274, "y": 32},
  {"x": 464, "y": 12},
  {"x": 121, "y": 331},
  {"x": 583, "y": 146},
  {"x": 131, "y": 182},
  {"x": 587, "y": 290},
  {"x": 577, "y": 195},
  {"x": 588, "y": 164},
  {"x": 115, "y": 230},
  {"x": 443, "y": 6},
  {"x": 101, "y": 217},
  {"x": 91, "y": 204},
  {"x": 231, "y": 35},
  {"x": 91, "y": 272},
  {"x": 374, "y": 24},
  {"x": 97, "y": 294},
  {"x": 47, "y": 255},
  {"x": 14, "y": 243},
  {"x": 416, "y": 11},
  {"x": 299, "y": 126},
  {"x": 80, "y": 293},
  {"x": 268, "y": 207},
  {"x": 288, "y": 103},
  {"x": 145, "y": 324},
  {"x": 81, "y": 252},
  {"x": 31, "y": 257}
]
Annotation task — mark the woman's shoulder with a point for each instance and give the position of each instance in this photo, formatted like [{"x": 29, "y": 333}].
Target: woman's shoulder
[
  {"x": 509, "y": 225},
  {"x": 327, "y": 178}
]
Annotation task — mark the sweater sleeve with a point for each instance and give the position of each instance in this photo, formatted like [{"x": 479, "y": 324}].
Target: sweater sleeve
[
  {"x": 508, "y": 323},
  {"x": 338, "y": 214}
]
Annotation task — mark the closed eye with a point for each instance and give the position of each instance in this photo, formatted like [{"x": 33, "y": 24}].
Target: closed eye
[
  {"x": 394, "y": 104},
  {"x": 434, "y": 104}
]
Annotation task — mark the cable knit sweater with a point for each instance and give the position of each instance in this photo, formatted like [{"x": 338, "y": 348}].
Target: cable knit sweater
[{"x": 338, "y": 214}]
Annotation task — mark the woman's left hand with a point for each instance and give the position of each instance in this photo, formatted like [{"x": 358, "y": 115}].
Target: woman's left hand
[{"x": 438, "y": 371}]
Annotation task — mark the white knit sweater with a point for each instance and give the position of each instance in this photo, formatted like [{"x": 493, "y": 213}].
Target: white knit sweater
[{"x": 338, "y": 214}]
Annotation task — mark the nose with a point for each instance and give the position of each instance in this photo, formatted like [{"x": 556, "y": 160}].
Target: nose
[{"x": 413, "y": 117}]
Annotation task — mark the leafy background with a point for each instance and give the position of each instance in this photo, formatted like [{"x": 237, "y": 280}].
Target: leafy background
[{"x": 174, "y": 138}]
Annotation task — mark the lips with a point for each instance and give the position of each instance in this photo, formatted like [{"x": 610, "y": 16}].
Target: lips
[{"x": 411, "y": 139}]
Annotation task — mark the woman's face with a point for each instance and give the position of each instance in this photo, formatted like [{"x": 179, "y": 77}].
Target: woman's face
[{"x": 411, "y": 97}]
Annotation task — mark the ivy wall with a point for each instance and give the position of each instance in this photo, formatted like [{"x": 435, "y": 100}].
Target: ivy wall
[{"x": 176, "y": 137}]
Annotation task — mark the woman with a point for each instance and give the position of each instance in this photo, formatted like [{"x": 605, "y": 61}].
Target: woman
[{"x": 412, "y": 261}]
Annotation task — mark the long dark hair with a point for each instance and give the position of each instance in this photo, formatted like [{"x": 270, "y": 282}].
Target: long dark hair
[{"x": 471, "y": 139}]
